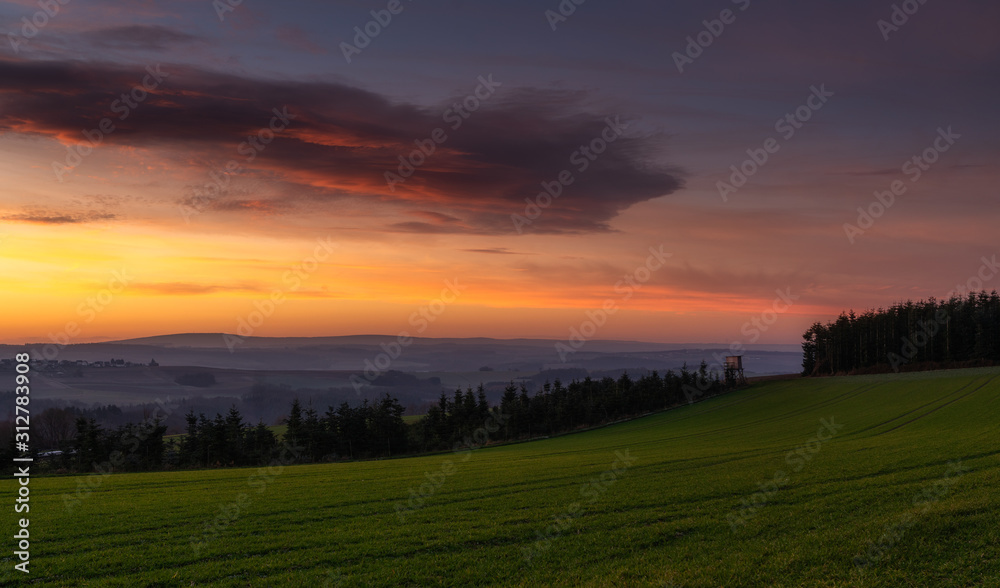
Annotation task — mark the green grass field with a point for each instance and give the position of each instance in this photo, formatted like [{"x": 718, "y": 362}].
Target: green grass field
[{"x": 908, "y": 480}]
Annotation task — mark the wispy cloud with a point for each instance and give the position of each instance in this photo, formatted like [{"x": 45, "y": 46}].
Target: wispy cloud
[
  {"x": 40, "y": 218},
  {"x": 187, "y": 288},
  {"x": 496, "y": 251},
  {"x": 138, "y": 37}
]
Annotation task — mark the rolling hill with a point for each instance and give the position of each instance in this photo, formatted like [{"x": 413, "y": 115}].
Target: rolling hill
[
  {"x": 854, "y": 481},
  {"x": 421, "y": 354}
]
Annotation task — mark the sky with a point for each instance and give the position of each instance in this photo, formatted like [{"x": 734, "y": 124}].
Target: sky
[{"x": 659, "y": 171}]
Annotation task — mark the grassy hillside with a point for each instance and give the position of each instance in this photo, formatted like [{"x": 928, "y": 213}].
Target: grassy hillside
[{"x": 894, "y": 484}]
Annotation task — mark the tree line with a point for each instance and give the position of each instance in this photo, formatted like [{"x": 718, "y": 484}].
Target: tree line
[
  {"x": 556, "y": 408},
  {"x": 929, "y": 334},
  {"x": 377, "y": 429},
  {"x": 130, "y": 447}
]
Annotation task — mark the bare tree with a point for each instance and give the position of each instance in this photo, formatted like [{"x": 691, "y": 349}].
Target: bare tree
[{"x": 54, "y": 425}]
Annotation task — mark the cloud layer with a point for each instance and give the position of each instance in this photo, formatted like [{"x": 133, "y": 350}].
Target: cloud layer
[{"x": 491, "y": 152}]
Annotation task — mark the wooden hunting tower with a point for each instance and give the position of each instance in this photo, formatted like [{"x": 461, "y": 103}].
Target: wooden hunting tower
[{"x": 734, "y": 366}]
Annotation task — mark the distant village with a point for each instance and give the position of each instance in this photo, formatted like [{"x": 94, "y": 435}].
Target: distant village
[{"x": 63, "y": 367}]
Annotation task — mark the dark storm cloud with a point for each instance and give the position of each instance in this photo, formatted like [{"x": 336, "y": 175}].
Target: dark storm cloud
[{"x": 343, "y": 140}]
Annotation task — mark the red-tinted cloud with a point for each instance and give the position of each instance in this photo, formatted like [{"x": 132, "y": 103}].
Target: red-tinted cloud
[{"x": 342, "y": 141}]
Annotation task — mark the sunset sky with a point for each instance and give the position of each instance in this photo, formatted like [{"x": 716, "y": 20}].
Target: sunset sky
[{"x": 147, "y": 232}]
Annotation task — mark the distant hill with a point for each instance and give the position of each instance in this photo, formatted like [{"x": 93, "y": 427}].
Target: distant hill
[
  {"x": 357, "y": 352},
  {"x": 857, "y": 481},
  {"x": 217, "y": 340}
]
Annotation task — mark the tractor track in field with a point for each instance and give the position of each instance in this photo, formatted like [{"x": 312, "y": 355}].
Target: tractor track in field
[
  {"x": 932, "y": 411},
  {"x": 855, "y": 392},
  {"x": 950, "y": 395},
  {"x": 748, "y": 398}
]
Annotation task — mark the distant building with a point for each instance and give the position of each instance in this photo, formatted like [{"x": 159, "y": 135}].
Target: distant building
[{"x": 734, "y": 369}]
